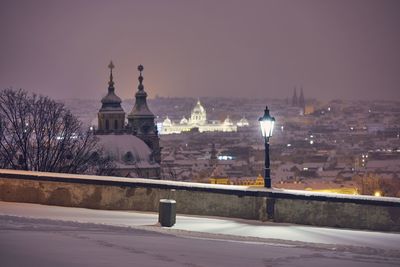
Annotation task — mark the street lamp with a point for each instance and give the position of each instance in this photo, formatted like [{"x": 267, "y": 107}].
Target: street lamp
[{"x": 267, "y": 126}]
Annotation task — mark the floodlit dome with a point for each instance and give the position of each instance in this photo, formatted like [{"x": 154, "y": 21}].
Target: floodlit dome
[
  {"x": 167, "y": 122},
  {"x": 243, "y": 122},
  {"x": 199, "y": 115},
  {"x": 228, "y": 121},
  {"x": 184, "y": 120},
  {"x": 199, "y": 109}
]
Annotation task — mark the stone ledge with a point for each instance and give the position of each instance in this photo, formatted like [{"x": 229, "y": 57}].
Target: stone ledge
[{"x": 240, "y": 191}]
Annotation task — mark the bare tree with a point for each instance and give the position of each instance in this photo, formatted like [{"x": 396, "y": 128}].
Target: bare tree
[{"x": 37, "y": 133}]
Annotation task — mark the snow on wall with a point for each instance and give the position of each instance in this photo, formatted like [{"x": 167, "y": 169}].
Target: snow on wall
[
  {"x": 290, "y": 206},
  {"x": 276, "y": 192}
]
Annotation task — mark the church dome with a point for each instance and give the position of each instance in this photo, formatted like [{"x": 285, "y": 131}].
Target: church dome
[
  {"x": 228, "y": 121},
  {"x": 243, "y": 122},
  {"x": 111, "y": 102},
  {"x": 127, "y": 147},
  {"x": 111, "y": 98},
  {"x": 199, "y": 115},
  {"x": 167, "y": 122},
  {"x": 183, "y": 120},
  {"x": 198, "y": 108}
]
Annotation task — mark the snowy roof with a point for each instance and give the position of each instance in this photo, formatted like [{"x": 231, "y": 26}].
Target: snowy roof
[
  {"x": 120, "y": 145},
  {"x": 111, "y": 98}
]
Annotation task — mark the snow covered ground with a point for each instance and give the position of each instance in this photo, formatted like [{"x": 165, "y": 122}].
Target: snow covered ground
[{"x": 38, "y": 235}]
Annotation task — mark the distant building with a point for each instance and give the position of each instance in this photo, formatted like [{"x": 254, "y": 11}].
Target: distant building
[
  {"x": 309, "y": 109},
  {"x": 223, "y": 179},
  {"x": 299, "y": 101},
  {"x": 198, "y": 120},
  {"x": 302, "y": 102},
  {"x": 134, "y": 147},
  {"x": 294, "y": 98}
]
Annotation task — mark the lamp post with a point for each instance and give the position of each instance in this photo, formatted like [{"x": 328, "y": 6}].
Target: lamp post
[{"x": 267, "y": 126}]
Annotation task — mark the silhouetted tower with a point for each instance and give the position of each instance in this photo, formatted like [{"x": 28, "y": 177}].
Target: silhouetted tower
[
  {"x": 294, "y": 98},
  {"x": 302, "y": 103},
  {"x": 141, "y": 120},
  {"x": 111, "y": 116}
]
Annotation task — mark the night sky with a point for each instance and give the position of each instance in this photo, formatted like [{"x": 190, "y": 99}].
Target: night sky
[{"x": 345, "y": 49}]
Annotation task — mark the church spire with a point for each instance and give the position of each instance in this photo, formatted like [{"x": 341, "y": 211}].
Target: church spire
[
  {"x": 294, "y": 99},
  {"x": 140, "y": 86},
  {"x": 111, "y": 82},
  {"x": 140, "y": 109},
  {"x": 141, "y": 120},
  {"x": 111, "y": 100},
  {"x": 111, "y": 116}
]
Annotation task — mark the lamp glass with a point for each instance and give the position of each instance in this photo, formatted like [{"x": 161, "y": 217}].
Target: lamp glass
[{"x": 267, "y": 126}]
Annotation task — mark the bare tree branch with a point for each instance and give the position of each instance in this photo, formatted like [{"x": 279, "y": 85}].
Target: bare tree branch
[{"x": 37, "y": 133}]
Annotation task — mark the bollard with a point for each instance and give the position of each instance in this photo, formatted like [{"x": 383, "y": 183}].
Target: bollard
[{"x": 167, "y": 212}]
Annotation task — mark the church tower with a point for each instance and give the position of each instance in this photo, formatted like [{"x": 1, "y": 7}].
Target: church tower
[
  {"x": 294, "y": 98},
  {"x": 111, "y": 116},
  {"x": 302, "y": 103},
  {"x": 141, "y": 121}
]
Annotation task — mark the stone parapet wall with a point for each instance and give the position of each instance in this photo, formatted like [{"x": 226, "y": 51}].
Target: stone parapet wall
[{"x": 289, "y": 206}]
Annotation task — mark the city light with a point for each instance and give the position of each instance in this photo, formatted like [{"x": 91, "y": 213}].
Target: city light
[{"x": 225, "y": 157}]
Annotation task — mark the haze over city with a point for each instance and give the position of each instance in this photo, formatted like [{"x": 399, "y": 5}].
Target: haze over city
[
  {"x": 333, "y": 49},
  {"x": 199, "y": 133}
]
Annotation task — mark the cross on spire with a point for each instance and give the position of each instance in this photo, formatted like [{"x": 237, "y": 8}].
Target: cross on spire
[{"x": 111, "y": 66}]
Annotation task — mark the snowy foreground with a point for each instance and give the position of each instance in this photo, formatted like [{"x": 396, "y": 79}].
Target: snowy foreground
[{"x": 38, "y": 235}]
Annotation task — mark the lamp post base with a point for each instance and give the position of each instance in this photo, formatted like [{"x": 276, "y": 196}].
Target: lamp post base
[{"x": 267, "y": 183}]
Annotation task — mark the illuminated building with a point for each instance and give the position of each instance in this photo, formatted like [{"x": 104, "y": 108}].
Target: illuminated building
[
  {"x": 217, "y": 178},
  {"x": 198, "y": 119}
]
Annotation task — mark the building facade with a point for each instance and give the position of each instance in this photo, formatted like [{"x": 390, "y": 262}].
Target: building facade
[{"x": 198, "y": 120}]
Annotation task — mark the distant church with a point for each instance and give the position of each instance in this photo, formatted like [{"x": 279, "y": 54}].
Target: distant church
[
  {"x": 135, "y": 145},
  {"x": 299, "y": 102}
]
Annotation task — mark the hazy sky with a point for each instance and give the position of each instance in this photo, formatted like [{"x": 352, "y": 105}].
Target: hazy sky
[{"x": 335, "y": 49}]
